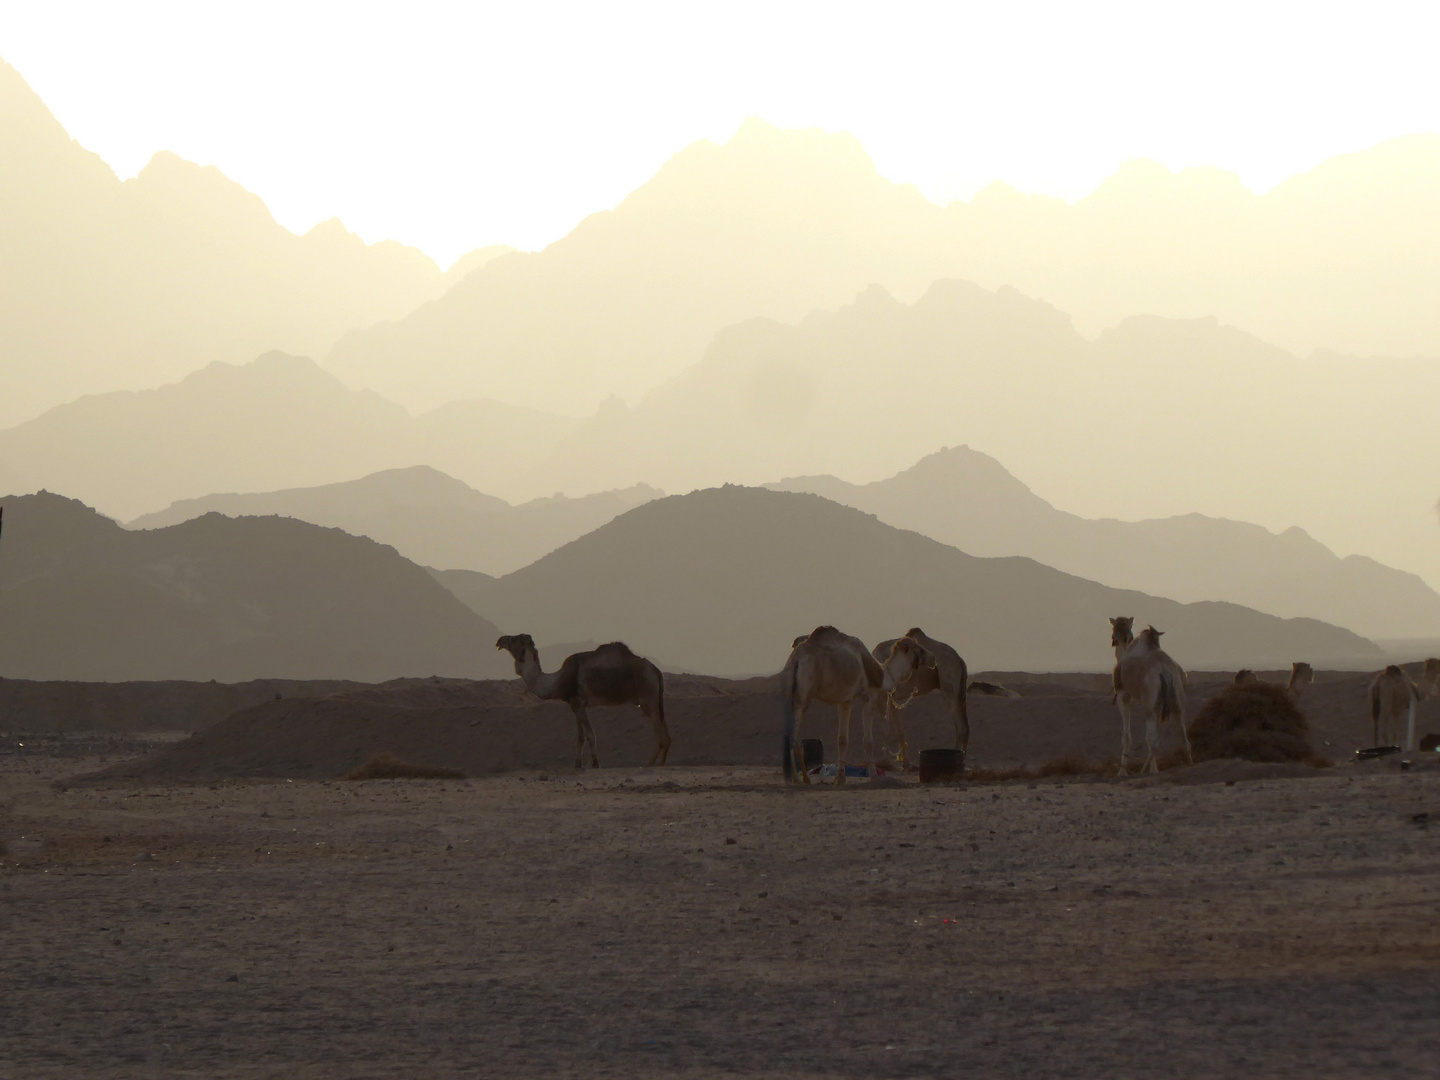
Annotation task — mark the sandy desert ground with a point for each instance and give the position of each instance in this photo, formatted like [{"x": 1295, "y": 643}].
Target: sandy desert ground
[{"x": 703, "y": 920}]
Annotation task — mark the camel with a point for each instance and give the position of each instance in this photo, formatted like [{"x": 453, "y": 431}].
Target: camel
[
  {"x": 834, "y": 667},
  {"x": 1301, "y": 676},
  {"x": 1147, "y": 674},
  {"x": 918, "y": 664},
  {"x": 609, "y": 675},
  {"x": 1392, "y": 694},
  {"x": 1244, "y": 677},
  {"x": 1430, "y": 678}
]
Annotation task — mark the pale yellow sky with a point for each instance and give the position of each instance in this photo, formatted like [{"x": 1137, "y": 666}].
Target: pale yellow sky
[{"x": 451, "y": 125}]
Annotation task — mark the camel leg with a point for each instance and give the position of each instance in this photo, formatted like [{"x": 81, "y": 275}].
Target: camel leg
[
  {"x": 1152, "y": 744},
  {"x": 1410, "y": 728},
  {"x": 579, "y": 711},
  {"x": 842, "y": 740},
  {"x": 867, "y": 730},
  {"x": 1123, "y": 704},
  {"x": 797, "y": 752},
  {"x": 662, "y": 736},
  {"x": 897, "y": 732},
  {"x": 586, "y": 734},
  {"x": 962, "y": 723},
  {"x": 1189, "y": 754}
]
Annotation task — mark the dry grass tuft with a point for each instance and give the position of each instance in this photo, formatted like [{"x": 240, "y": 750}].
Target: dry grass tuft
[
  {"x": 1256, "y": 722},
  {"x": 386, "y": 766}
]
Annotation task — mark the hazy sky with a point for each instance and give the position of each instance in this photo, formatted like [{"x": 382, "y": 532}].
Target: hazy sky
[{"x": 451, "y": 125}]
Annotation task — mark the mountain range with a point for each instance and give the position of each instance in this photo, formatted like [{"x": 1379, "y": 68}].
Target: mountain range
[
  {"x": 109, "y": 284},
  {"x": 1154, "y": 418},
  {"x": 220, "y": 598},
  {"x": 776, "y": 223},
  {"x": 968, "y": 500},
  {"x": 276, "y": 422},
  {"x": 722, "y": 580},
  {"x": 428, "y": 517}
]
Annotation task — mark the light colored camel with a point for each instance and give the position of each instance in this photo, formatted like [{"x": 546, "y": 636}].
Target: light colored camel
[
  {"x": 1393, "y": 695},
  {"x": 918, "y": 664},
  {"x": 1147, "y": 675},
  {"x": 834, "y": 667},
  {"x": 609, "y": 675},
  {"x": 1430, "y": 679}
]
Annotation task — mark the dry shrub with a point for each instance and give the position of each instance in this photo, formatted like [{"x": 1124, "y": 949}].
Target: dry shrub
[
  {"x": 1257, "y": 722},
  {"x": 386, "y": 766}
]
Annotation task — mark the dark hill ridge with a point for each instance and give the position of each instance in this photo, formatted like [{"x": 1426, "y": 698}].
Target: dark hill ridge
[
  {"x": 219, "y": 598},
  {"x": 967, "y": 499},
  {"x": 721, "y": 580}
]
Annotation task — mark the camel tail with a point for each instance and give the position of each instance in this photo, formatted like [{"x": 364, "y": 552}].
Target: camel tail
[
  {"x": 993, "y": 689},
  {"x": 1167, "y": 696},
  {"x": 787, "y": 745}
]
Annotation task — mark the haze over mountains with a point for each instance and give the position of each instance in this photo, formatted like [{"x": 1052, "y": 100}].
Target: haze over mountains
[
  {"x": 428, "y": 517},
  {"x": 775, "y": 223},
  {"x": 967, "y": 499},
  {"x": 276, "y": 422},
  {"x": 216, "y": 598},
  {"x": 109, "y": 285},
  {"x": 770, "y": 307},
  {"x": 721, "y": 580}
]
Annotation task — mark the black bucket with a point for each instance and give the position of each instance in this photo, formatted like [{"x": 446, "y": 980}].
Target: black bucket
[
  {"x": 939, "y": 765},
  {"x": 813, "y": 751}
]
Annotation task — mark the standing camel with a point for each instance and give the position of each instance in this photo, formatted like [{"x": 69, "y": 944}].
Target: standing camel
[
  {"x": 609, "y": 675},
  {"x": 1392, "y": 695},
  {"x": 1301, "y": 676},
  {"x": 836, "y": 668},
  {"x": 1146, "y": 674},
  {"x": 918, "y": 664}
]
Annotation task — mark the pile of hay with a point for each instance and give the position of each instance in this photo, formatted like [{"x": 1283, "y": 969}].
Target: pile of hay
[
  {"x": 1256, "y": 721},
  {"x": 386, "y": 766}
]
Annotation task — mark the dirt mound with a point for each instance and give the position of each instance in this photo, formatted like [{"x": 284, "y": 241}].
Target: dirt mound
[
  {"x": 385, "y": 766},
  {"x": 1256, "y": 721}
]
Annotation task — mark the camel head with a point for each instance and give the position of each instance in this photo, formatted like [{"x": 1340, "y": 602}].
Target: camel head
[
  {"x": 517, "y": 645},
  {"x": 1122, "y": 630},
  {"x": 1150, "y": 637},
  {"x": 906, "y": 657},
  {"x": 1244, "y": 677},
  {"x": 1432, "y": 672}
]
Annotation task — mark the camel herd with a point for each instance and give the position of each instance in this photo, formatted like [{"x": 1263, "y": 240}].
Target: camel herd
[{"x": 830, "y": 666}]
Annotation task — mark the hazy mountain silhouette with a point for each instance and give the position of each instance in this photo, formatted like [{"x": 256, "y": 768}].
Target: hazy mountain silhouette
[
  {"x": 721, "y": 580},
  {"x": 277, "y": 422},
  {"x": 428, "y": 517},
  {"x": 1155, "y": 418},
  {"x": 967, "y": 499},
  {"x": 217, "y": 598},
  {"x": 775, "y": 223},
  {"x": 108, "y": 285}
]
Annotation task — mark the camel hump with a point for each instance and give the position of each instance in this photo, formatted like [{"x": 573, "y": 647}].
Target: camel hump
[{"x": 618, "y": 647}]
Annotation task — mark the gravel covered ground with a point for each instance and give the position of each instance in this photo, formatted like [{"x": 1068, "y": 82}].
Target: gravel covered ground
[{"x": 706, "y": 921}]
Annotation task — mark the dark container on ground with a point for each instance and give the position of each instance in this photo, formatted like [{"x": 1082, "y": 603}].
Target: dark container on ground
[{"x": 941, "y": 764}]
